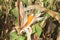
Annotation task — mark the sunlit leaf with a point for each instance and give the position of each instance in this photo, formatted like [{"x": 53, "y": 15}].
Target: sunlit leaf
[
  {"x": 20, "y": 38},
  {"x": 14, "y": 36},
  {"x": 37, "y": 29}
]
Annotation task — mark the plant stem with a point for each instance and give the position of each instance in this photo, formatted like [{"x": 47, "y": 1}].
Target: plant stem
[{"x": 19, "y": 22}]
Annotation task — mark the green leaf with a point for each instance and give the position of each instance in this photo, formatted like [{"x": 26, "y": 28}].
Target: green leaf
[
  {"x": 14, "y": 36},
  {"x": 20, "y": 38},
  {"x": 24, "y": 2},
  {"x": 36, "y": 11},
  {"x": 15, "y": 12},
  {"x": 46, "y": 3},
  {"x": 46, "y": 15},
  {"x": 33, "y": 28},
  {"x": 0, "y": 12},
  {"x": 37, "y": 29}
]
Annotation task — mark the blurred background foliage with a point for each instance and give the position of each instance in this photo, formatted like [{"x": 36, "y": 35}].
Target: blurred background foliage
[{"x": 9, "y": 19}]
